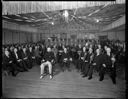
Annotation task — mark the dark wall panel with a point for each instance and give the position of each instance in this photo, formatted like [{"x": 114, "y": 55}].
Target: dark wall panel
[
  {"x": 7, "y": 37},
  {"x": 23, "y": 37},
  {"x": 13, "y": 37}
]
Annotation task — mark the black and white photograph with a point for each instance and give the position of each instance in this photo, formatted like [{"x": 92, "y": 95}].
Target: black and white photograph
[{"x": 63, "y": 49}]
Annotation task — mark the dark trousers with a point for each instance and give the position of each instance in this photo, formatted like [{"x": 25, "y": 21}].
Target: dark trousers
[
  {"x": 27, "y": 62},
  {"x": 110, "y": 71},
  {"x": 38, "y": 60},
  {"x": 66, "y": 65},
  {"x": 102, "y": 72},
  {"x": 79, "y": 65},
  {"x": 31, "y": 62},
  {"x": 86, "y": 69},
  {"x": 12, "y": 68},
  {"x": 90, "y": 72},
  {"x": 59, "y": 58},
  {"x": 22, "y": 65},
  {"x": 83, "y": 67}
]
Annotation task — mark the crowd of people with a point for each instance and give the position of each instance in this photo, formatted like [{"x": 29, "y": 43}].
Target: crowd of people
[{"x": 101, "y": 56}]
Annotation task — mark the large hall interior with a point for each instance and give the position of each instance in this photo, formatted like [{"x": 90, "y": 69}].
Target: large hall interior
[{"x": 77, "y": 28}]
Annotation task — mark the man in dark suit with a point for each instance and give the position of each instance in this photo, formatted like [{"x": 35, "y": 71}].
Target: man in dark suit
[
  {"x": 37, "y": 55},
  {"x": 17, "y": 57},
  {"x": 59, "y": 54},
  {"x": 48, "y": 59},
  {"x": 9, "y": 64},
  {"x": 96, "y": 63},
  {"x": 108, "y": 65},
  {"x": 88, "y": 60},
  {"x": 80, "y": 57},
  {"x": 65, "y": 60},
  {"x": 24, "y": 54},
  {"x": 31, "y": 56}
]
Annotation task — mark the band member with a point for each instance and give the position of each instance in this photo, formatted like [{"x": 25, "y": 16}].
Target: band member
[
  {"x": 48, "y": 59},
  {"x": 108, "y": 64}
]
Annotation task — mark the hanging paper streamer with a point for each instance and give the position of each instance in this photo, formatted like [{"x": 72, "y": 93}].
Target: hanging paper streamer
[{"x": 29, "y": 7}]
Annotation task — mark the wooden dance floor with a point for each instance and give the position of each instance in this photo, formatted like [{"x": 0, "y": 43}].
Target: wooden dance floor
[{"x": 63, "y": 85}]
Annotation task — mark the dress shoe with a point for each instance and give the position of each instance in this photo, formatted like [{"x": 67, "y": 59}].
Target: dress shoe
[
  {"x": 114, "y": 81},
  {"x": 89, "y": 78},
  {"x": 14, "y": 73},
  {"x": 101, "y": 79},
  {"x": 26, "y": 70}
]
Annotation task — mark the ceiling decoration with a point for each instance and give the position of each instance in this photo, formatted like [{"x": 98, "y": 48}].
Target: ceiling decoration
[
  {"x": 9, "y": 8},
  {"x": 98, "y": 13}
]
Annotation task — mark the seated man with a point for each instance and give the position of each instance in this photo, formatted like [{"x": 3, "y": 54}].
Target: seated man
[
  {"x": 9, "y": 64},
  {"x": 25, "y": 58},
  {"x": 108, "y": 64},
  {"x": 37, "y": 55},
  {"x": 65, "y": 60},
  {"x": 18, "y": 59},
  {"x": 59, "y": 54},
  {"x": 31, "y": 56},
  {"x": 96, "y": 62},
  {"x": 48, "y": 59}
]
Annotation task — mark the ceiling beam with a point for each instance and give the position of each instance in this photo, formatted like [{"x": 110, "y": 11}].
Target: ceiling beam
[{"x": 115, "y": 24}]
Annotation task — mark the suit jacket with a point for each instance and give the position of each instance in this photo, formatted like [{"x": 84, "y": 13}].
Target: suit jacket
[
  {"x": 6, "y": 60},
  {"x": 88, "y": 57},
  {"x": 107, "y": 60},
  {"x": 65, "y": 55},
  {"x": 19, "y": 53},
  {"x": 36, "y": 53},
  {"x": 24, "y": 54},
  {"x": 49, "y": 56},
  {"x": 14, "y": 57},
  {"x": 30, "y": 54},
  {"x": 98, "y": 60}
]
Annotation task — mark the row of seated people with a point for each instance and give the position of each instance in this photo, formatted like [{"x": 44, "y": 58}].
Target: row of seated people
[
  {"x": 85, "y": 58},
  {"x": 19, "y": 58}
]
